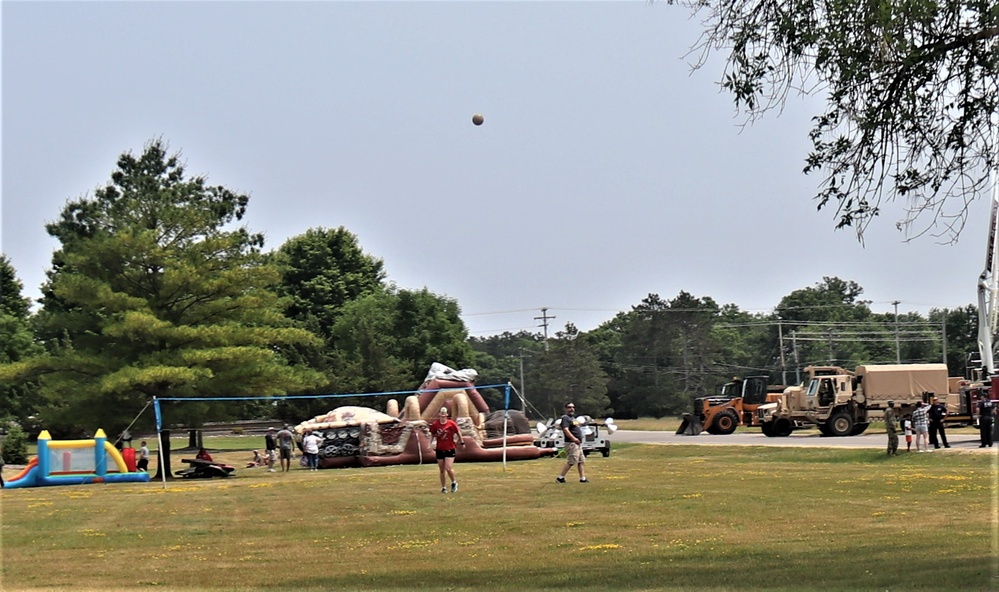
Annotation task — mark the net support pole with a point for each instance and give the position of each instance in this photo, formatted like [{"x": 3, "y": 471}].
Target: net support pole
[
  {"x": 159, "y": 441},
  {"x": 506, "y": 419}
]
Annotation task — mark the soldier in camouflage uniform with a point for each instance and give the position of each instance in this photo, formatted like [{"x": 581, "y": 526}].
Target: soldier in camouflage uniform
[{"x": 891, "y": 426}]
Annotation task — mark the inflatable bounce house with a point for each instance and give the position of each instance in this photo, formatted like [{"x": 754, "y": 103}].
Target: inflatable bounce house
[
  {"x": 76, "y": 462},
  {"x": 359, "y": 436}
]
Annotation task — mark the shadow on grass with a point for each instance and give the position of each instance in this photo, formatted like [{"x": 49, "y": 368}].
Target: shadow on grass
[{"x": 841, "y": 570}]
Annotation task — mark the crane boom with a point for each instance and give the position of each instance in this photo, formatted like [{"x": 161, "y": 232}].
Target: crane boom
[{"x": 988, "y": 290}]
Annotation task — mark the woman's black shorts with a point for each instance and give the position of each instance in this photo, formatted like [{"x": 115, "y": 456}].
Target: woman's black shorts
[{"x": 442, "y": 454}]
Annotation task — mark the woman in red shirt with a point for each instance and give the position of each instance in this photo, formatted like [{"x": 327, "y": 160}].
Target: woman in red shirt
[{"x": 444, "y": 432}]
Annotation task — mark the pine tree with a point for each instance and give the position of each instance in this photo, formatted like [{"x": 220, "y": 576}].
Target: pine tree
[{"x": 156, "y": 292}]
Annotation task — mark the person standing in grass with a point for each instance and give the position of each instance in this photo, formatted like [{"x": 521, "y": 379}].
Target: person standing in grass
[
  {"x": 270, "y": 449},
  {"x": 921, "y": 425},
  {"x": 286, "y": 441},
  {"x": 444, "y": 433},
  {"x": 573, "y": 444},
  {"x": 891, "y": 427},
  {"x": 310, "y": 447},
  {"x": 907, "y": 428},
  {"x": 143, "y": 463}
]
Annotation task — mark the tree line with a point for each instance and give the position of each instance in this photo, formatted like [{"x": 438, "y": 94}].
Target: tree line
[
  {"x": 157, "y": 289},
  {"x": 654, "y": 359}
]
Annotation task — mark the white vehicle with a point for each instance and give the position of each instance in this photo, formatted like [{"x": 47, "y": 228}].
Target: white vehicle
[{"x": 550, "y": 435}]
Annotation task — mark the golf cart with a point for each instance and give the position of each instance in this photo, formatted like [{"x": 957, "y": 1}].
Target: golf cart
[{"x": 550, "y": 435}]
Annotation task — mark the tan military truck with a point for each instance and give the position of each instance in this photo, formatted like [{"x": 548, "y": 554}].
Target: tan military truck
[{"x": 843, "y": 403}]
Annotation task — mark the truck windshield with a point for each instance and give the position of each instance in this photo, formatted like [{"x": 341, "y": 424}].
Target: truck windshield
[{"x": 813, "y": 387}]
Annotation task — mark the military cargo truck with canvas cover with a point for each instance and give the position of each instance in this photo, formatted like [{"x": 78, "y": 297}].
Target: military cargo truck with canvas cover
[{"x": 844, "y": 403}]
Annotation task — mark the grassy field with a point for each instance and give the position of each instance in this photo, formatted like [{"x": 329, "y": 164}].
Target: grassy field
[
  {"x": 665, "y": 424},
  {"x": 683, "y": 518}
]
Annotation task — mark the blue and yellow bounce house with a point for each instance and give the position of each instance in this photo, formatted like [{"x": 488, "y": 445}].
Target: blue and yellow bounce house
[{"x": 75, "y": 462}]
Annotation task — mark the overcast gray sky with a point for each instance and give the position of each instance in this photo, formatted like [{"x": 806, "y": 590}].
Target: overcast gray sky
[{"x": 604, "y": 171}]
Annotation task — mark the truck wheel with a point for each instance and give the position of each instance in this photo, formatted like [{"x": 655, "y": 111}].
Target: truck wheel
[
  {"x": 768, "y": 429},
  {"x": 711, "y": 428},
  {"x": 840, "y": 424},
  {"x": 726, "y": 422},
  {"x": 605, "y": 450},
  {"x": 859, "y": 428},
  {"x": 783, "y": 428}
]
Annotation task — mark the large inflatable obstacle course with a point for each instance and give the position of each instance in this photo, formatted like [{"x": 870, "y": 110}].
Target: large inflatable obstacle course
[
  {"x": 77, "y": 462},
  {"x": 360, "y": 436}
]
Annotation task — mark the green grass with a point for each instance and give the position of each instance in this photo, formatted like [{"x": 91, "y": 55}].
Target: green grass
[
  {"x": 683, "y": 518},
  {"x": 665, "y": 424}
]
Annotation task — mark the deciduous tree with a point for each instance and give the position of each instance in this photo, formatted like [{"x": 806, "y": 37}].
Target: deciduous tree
[
  {"x": 386, "y": 341},
  {"x": 569, "y": 370},
  {"x": 17, "y": 342},
  {"x": 322, "y": 270},
  {"x": 911, "y": 92}
]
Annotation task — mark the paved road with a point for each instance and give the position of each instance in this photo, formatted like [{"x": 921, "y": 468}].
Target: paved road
[{"x": 966, "y": 442}]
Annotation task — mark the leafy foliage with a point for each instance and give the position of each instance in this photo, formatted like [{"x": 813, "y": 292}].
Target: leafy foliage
[
  {"x": 15, "y": 445},
  {"x": 386, "y": 340},
  {"x": 153, "y": 293},
  {"x": 322, "y": 270},
  {"x": 502, "y": 358},
  {"x": 17, "y": 342},
  {"x": 666, "y": 351},
  {"x": 911, "y": 91},
  {"x": 568, "y": 370},
  {"x": 960, "y": 326}
]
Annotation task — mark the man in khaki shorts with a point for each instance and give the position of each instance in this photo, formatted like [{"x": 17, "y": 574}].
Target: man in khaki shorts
[{"x": 573, "y": 440}]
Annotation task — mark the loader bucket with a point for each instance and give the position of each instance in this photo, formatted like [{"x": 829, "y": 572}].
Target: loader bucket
[{"x": 690, "y": 426}]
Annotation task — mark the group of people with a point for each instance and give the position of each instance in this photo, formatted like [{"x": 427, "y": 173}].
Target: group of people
[
  {"x": 927, "y": 424},
  {"x": 142, "y": 454},
  {"x": 278, "y": 446},
  {"x": 445, "y": 435}
]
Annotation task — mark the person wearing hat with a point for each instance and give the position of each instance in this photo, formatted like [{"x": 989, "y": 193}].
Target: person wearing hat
[
  {"x": 270, "y": 449},
  {"x": 891, "y": 426},
  {"x": 937, "y": 412}
]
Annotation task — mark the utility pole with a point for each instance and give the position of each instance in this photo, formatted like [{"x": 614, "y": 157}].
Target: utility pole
[
  {"x": 943, "y": 336},
  {"x": 783, "y": 364},
  {"x": 523, "y": 391},
  {"x": 898, "y": 351},
  {"x": 797, "y": 362},
  {"x": 832, "y": 361},
  {"x": 544, "y": 323}
]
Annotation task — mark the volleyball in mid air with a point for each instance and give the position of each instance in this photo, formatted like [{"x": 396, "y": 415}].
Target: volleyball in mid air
[{"x": 477, "y": 119}]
